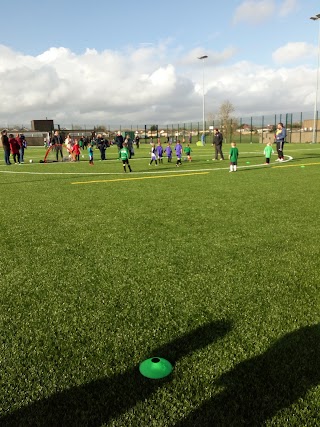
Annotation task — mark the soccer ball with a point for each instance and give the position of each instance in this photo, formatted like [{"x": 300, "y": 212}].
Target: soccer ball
[
  {"x": 82, "y": 156},
  {"x": 30, "y": 161}
]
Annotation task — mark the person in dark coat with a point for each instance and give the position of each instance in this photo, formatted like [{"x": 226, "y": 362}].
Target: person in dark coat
[
  {"x": 23, "y": 145},
  {"x": 119, "y": 141},
  {"x": 137, "y": 141},
  {"x": 217, "y": 142},
  {"x": 6, "y": 147},
  {"x": 57, "y": 141},
  {"x": 129, "y": 142},
  {"x": 102, "y": 145}
]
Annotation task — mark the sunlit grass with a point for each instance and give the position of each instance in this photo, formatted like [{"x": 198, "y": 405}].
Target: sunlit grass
[{"x": 217, "y": 272}]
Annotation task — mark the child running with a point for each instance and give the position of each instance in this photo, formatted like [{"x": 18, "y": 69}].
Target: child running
[
  {"x": 187, "y": 151},
  {"x": 233, "y": 156},
  {"x": 268, "y": 151},
  {"x": 153, "y": 155},
  {"x": 124, "y": 156}
]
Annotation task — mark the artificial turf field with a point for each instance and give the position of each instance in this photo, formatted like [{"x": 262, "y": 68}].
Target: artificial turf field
[{"x": 217, "y": 272}]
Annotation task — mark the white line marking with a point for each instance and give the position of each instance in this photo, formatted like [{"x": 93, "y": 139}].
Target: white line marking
[{"x": 159, "y": 171}]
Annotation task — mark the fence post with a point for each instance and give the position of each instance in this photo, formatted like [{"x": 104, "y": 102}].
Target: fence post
[{"x": 300, "y": 126}]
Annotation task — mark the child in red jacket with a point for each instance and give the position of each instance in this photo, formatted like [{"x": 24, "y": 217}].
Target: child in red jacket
[
  {"x": 14, "y": 148},
  {"x": 76, "y": 151}
]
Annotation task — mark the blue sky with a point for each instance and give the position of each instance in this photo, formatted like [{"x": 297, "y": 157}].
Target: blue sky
[{"x": 130, "y": 61}]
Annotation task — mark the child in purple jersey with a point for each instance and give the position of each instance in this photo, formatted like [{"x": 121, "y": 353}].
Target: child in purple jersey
[
  {"x": 169, "y": 152},
  {"x": 178, "y": 150},
  {"x": 153, "y": 155},
  {"x": 159, "y": 151}
]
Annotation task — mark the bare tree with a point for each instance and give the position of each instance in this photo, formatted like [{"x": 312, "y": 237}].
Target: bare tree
[
  {"x": 210, "y": 117},
  {"x": 227, "y": 122}
]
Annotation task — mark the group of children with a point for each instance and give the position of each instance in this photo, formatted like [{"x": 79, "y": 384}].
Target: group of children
[
  {"x": 74, "y": 148},
  {"x": 157, "y": 153},
  {"x": 234, "y": 154}
]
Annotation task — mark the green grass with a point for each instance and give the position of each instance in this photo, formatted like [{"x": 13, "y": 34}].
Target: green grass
[{"x": 217, "y": 272}]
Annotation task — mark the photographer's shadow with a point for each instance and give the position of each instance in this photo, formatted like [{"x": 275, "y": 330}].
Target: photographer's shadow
[
  {"x": 97, "y": 402},
  {"x": 255, "y": 390}
]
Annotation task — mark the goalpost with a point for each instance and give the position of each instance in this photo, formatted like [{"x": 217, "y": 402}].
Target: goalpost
[{"x": 56, "y": 153}]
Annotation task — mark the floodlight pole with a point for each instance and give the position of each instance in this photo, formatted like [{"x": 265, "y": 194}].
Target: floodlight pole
[
  {"x": 314, "y": 136},
  {"x": 202, "y": 58}
]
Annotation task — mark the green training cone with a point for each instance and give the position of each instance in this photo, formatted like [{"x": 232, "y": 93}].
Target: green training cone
[
  {"x": 155, "y": 368},
  {"x": 248, "y": 163},
  {"x": 302, "y": 166}
]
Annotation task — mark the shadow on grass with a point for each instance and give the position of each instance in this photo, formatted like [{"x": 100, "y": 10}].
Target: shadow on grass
[
  {"x": 258, "y": 388},
  {"x": 97, "y": 402}
]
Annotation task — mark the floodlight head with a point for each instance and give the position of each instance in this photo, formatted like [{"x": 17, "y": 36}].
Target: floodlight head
[{"x": 203, "y": 57}]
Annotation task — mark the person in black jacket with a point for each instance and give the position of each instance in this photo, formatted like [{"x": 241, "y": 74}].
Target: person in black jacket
[
  {"x": 119, "y": 141},
  {"x": 6, "y": 147},
  {"x": 57, "y": 141},
  {"x": 102, "y": 146},
  {"x": 129, "y": 142},
  {"x": 217, "y": 142}
]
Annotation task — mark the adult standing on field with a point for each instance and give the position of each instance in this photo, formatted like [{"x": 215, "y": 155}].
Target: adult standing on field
[
  {"x": 280, "y": 137},
  {"x": 57, "y": 141},
  {"x": 129, "y": 142},
  {"x": 217, "y": 142},
  {"x": 102, "y": 146},
  {"x": 137, "y": 141},
  {"x": 119, "y": 141},
  {"x": 6, "y": 147}
]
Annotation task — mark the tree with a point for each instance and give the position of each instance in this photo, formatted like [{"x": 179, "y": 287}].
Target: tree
[
  {"x": 227, "y": 122},
  {"x": 101, "y": 128}
]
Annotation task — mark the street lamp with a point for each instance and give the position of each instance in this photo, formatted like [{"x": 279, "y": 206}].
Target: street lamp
[
  {"x": 202, "y": 58},
  {"x": 316, "y": 18}
]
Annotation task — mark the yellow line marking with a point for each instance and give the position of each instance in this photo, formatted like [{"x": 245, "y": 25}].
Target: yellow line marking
[
  {"x": 297, "y": 166},
  {"x": 141, "y": 177}
]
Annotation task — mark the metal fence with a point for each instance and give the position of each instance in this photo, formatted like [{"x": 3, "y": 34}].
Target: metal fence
[{"x": 300, "y": 128}]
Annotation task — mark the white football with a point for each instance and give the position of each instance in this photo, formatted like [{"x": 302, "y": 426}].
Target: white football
[{"x": 30, "y": 160}]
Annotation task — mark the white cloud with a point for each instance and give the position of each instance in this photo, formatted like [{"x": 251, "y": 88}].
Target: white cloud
[
  {"x": 293, "y": 52},
  {"x": 254, "y": 12},
  {"x": 257, "y": 90},
  {"x": 139, "y": 86},
  {"x": 288, "y": 6}
]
